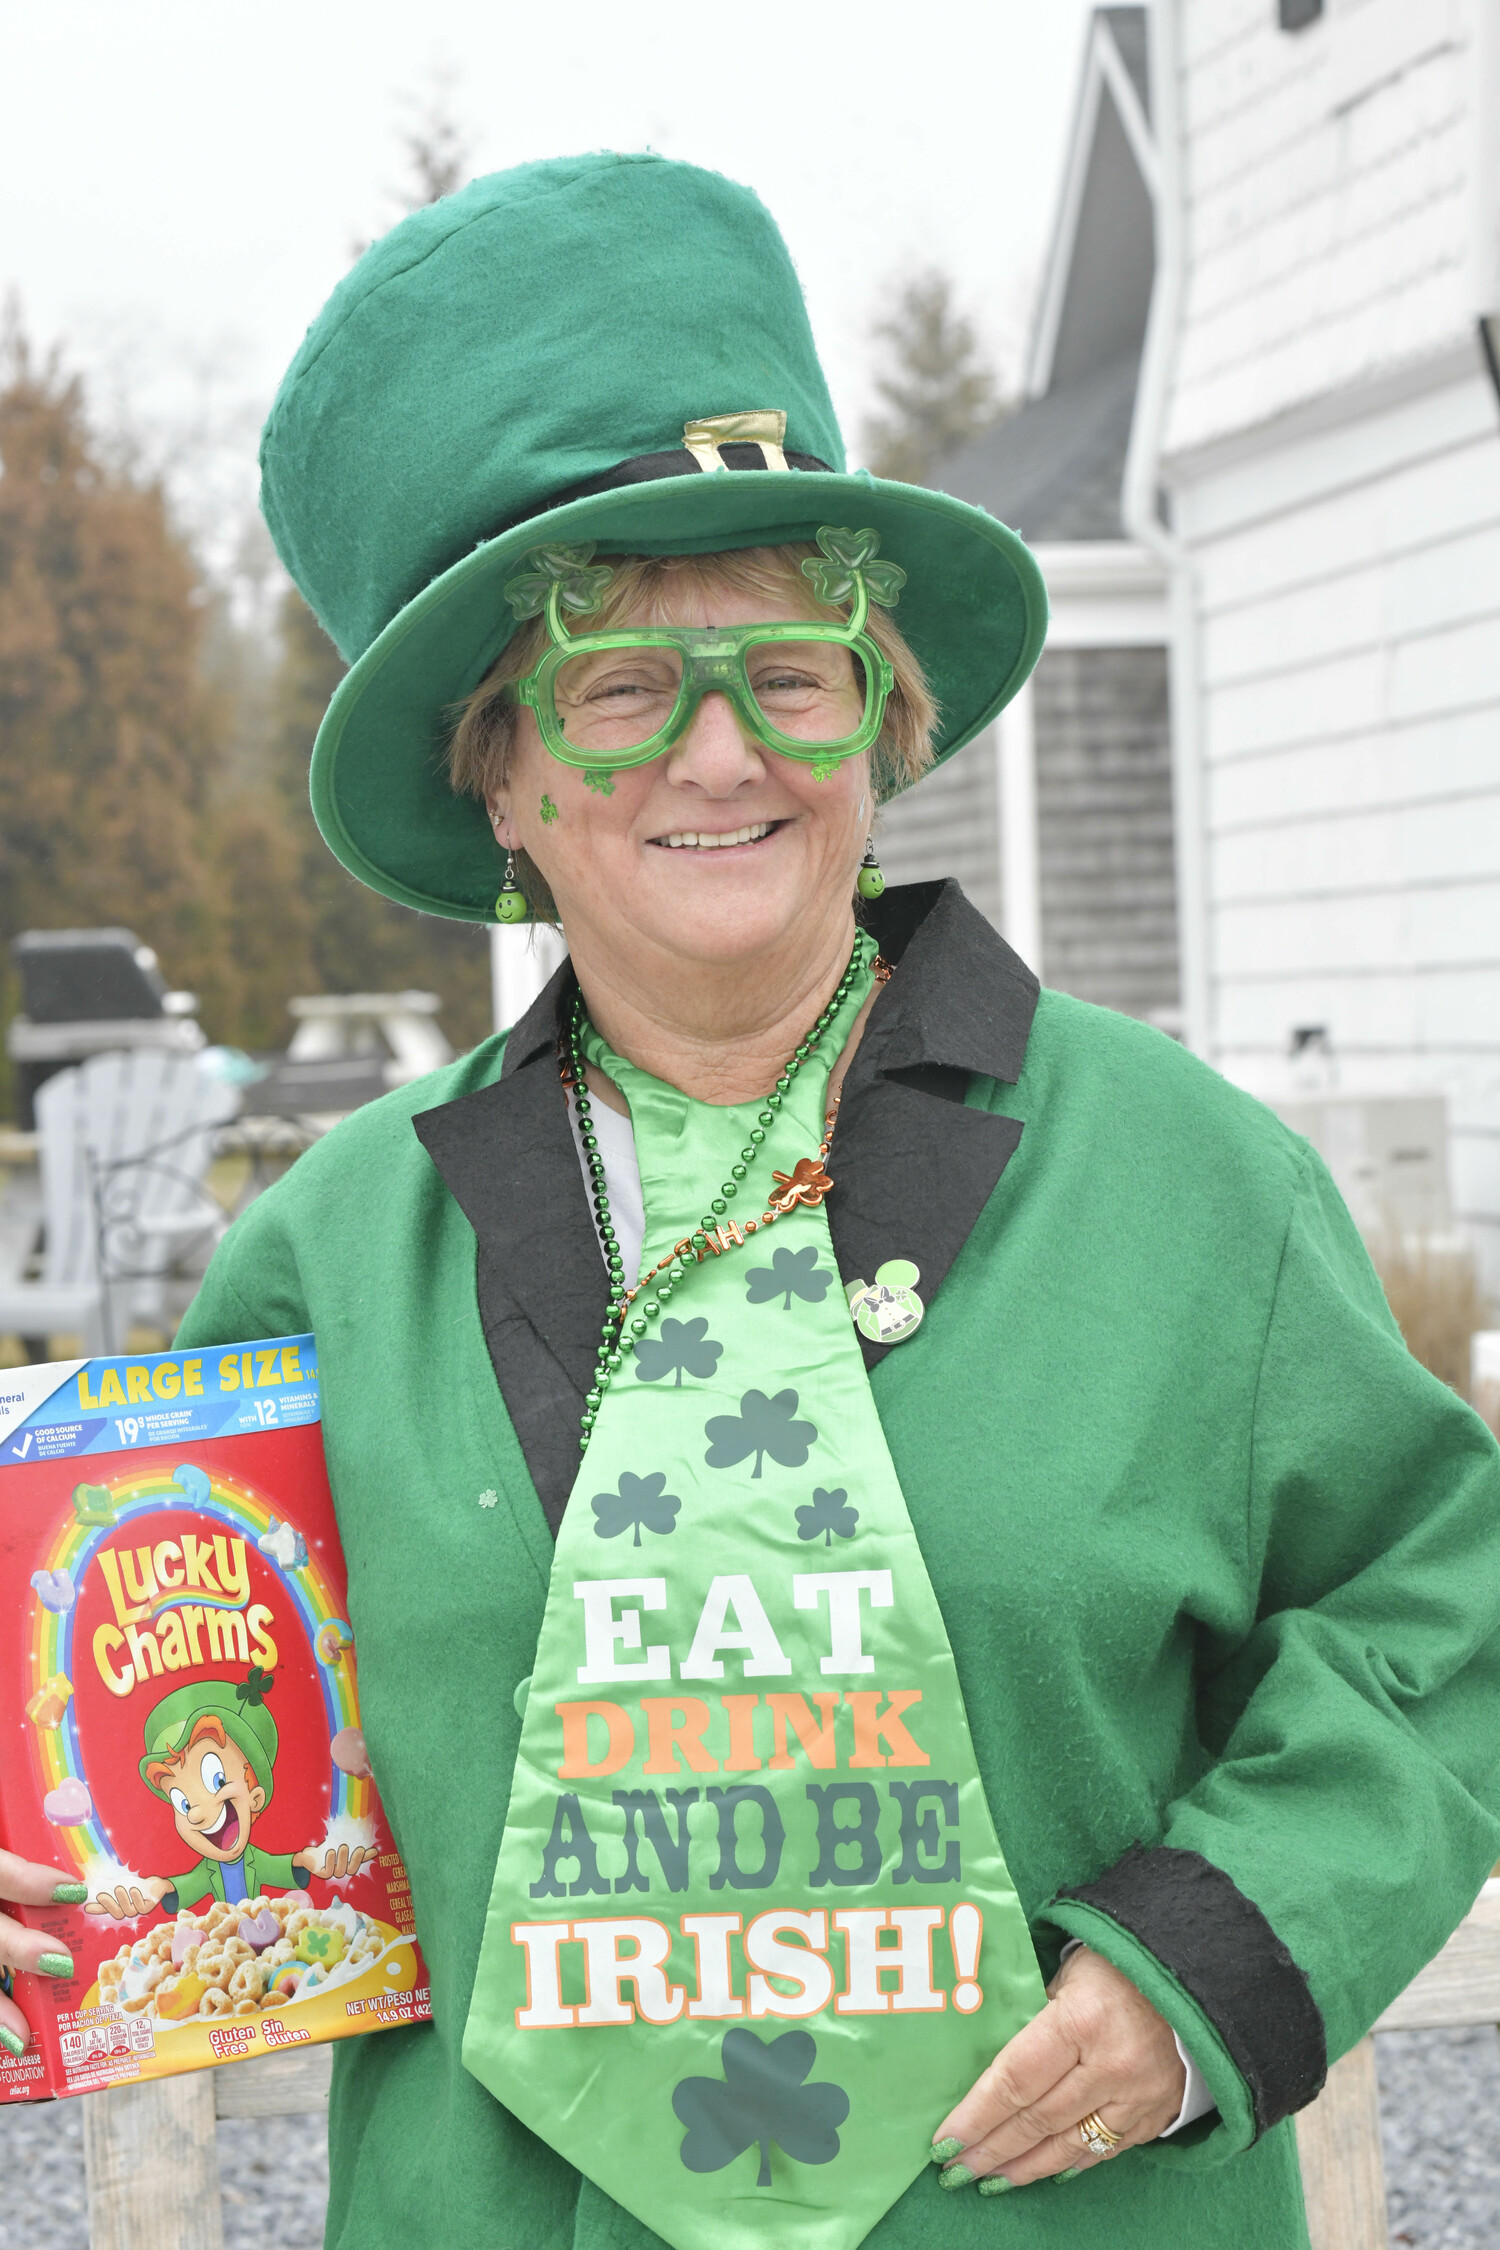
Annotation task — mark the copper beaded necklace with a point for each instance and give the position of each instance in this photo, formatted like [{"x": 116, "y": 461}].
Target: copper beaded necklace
[{"x": 807, "y": 1183}]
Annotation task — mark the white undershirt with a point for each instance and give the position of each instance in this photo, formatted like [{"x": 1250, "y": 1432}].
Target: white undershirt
[
  {"x": 627, "y": 1214},
  {"x": 622, "y": 1180},
  {"x": 1197, "y": 2101}
]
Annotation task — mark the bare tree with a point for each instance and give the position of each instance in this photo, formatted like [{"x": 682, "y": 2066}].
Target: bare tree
[
  {"x": 437, "y": 147},
  {"x": 934, "y": 381}
]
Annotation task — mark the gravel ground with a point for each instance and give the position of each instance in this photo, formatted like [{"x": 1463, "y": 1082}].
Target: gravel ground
[
  {"x": 274, "y": 2178},
  {"x": 1440, "y": 2091},
  {"x": 1439, "y": 2096}
]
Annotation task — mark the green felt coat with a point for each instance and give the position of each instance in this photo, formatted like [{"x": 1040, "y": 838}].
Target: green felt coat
[{"x": 1219, "y": 1562}]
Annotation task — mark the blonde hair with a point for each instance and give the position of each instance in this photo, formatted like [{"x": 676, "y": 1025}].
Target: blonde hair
[{"x": 646, "y": 590}]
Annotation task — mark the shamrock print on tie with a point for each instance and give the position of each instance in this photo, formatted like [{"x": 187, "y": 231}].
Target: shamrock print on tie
[
  {"x": 642, "y": 1501},
  {"x": 763, "y": 1425},
  {"x": 828, "y": 1512},
  {"x": 684, "y": 1345},
  {"x": 791, "y": 1273},
  {"x": 763, "y": 2100}
]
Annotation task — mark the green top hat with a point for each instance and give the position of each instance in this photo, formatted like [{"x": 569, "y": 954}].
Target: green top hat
[
  {"x": 597, "y": 348},
  {"x": 240, "y": 1710}
]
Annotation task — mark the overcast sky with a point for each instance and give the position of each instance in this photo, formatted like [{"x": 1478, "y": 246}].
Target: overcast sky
[{"x": 182, "y": 181}]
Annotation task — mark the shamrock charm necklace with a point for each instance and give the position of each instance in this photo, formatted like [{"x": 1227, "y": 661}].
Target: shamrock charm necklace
[{"x": 717, "y": 1232}]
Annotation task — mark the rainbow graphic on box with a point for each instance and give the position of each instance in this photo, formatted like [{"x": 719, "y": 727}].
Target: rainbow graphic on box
[
  {"x": 243, "y": 1511},
  {"x": 180, "y": 1725}
]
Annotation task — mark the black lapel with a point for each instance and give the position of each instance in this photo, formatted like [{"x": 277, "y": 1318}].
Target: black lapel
[
  {"x": 507, "y": 1156},
  {"x": 912, "y": 1167}
]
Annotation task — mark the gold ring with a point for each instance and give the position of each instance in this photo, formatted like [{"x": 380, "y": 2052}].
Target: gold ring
[{"x": 1096, "y": 2135}]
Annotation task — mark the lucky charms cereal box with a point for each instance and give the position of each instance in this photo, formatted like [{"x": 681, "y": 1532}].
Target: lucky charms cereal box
[{"x": 179, "y": 1721}]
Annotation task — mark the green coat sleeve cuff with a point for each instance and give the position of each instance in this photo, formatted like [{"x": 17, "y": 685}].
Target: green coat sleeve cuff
[
  {"x": 1207, "y": 1959},
  {"x": 1211, "y": 2140}
]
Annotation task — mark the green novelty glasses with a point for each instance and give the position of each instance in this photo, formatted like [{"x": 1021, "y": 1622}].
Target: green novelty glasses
[{"x": 808, "y": 690}]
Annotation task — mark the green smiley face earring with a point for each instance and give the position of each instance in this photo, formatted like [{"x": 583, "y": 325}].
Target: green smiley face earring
[
  {"x": 869, "y": 882},
  {"x": 512, "y": 905}
]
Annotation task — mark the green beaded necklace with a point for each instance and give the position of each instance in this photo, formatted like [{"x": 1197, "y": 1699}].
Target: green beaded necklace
[{"x": 717, "y": 1232}]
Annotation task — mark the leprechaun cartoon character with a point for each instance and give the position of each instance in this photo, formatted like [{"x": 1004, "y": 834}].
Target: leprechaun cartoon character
[{"x": 211, "y": 1755}]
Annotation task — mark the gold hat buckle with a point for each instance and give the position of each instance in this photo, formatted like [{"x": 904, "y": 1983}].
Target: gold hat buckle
[{"x": 762, "y": 426}]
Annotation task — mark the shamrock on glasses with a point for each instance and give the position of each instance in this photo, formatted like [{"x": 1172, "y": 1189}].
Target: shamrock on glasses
[
  {"x": 850, "y": 557},
  {"x": 580, "y": 582}
]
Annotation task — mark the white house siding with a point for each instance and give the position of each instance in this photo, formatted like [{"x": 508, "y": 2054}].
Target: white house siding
[
  {"x": 1326, "y": 182},
  {"x": 1333, "y": 454}
]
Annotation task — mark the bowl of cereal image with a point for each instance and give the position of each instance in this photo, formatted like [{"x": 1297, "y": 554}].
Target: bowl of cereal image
[{"x": 256, "y": 1963}]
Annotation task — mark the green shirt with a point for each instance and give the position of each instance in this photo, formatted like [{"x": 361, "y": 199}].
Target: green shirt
[
  {"x": 1219, "y": 1564},
  {"x": 263, "y": 1871}
]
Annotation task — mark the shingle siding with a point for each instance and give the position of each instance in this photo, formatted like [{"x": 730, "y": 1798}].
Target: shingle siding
[
  {"x": 949, "y": 825},
  {"x": 1104, "y": 822},
  {"x": 1104, "y": 827}
]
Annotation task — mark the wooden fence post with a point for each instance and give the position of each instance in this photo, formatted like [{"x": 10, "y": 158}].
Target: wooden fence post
[
  {"x": 1338, "y": 2142},
  {"x": 153, "y": 2165}
]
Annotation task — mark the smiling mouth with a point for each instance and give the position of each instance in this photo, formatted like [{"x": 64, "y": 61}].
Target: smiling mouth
[
  {"x": 225, "y": 1833},
  {"x": 710, "y": 840}
]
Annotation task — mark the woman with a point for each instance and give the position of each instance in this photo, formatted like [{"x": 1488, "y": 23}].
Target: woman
[{"x": 1078, "y": 1580}]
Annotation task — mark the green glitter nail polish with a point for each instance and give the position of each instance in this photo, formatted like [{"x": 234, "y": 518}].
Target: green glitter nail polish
[
  {"x": 996, "y": 2184},
  {"x": 942, "y": 2150},
  {"x": 69, "y": 1894},
  {"x": 55, "y": 1965},
  {"x": 12, "y": 2041},
  {"x": 1071, "y": 2174},
  {"x": 956, "y": 2176}
]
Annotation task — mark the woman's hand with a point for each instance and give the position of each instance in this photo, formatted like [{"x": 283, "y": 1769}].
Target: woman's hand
[
  {"x": 1096, "y": 2047},
  {"x": 24, "y": 1883}
]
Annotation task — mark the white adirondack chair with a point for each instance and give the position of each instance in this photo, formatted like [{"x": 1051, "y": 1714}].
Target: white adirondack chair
[{"x": 126, "y": 1141}]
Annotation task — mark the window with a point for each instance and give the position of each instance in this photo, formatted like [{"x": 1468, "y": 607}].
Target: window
[{"x": 1296, "y": 15}]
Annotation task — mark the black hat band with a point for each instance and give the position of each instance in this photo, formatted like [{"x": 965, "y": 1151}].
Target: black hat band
[{"x": 647, "y": 468}]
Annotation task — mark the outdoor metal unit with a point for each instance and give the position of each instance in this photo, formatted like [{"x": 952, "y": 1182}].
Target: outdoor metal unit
[{"x": 84, "y": 992}]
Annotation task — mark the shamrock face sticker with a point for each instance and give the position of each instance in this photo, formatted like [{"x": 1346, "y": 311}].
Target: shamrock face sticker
[
  {"x": 761, "y": 2099},
  {"x": 763, "y": 1425},
  {"x": 642, "y": 1501},
  {"x": 684, "y": 1346},
  {"x": 791, "y": 1273},
  {"x": 888, "y": 1310}
]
